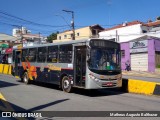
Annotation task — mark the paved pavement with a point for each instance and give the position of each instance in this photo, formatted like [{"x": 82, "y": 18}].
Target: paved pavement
[
  {"x": 142, "y": 74},
  {"x": 40, "y": 97}
]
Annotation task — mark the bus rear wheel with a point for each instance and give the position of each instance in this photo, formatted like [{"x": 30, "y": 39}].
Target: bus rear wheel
[
  {"x": 66, "y": 84},
  {"x": 25, "y": 78}
]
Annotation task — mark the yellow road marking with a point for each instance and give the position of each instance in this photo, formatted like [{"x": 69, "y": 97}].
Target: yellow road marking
[
  {"x": 1, "y": 97},
  {"x": 7, "y": 106}
]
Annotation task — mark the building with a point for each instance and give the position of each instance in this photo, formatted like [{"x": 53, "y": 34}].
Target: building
[
  {"x": 140, "y": 44},
  {"x": 132, "y": 30},
  {"x": 154, "y": 28},
  {"x": 143, "y": 53},
  {"x": 26, "y": 38},
  {"x": 32, "y": 39},
  {"x": 125, "y": 32},
  {"x": 6, "y": 43},
  {"x": 81, "y": 33}
]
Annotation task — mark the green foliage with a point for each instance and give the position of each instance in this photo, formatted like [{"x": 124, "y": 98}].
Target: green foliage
[
  {"x": 158, "y": 18},
  {"x": 158, "y": 66},
  {"x": 52, "y": 37}
]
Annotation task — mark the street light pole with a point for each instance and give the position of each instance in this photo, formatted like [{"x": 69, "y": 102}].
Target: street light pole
[{"x": 72, "y": 23}]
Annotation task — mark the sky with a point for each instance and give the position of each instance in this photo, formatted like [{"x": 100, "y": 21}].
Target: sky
[{"x": 46, "y": 16}]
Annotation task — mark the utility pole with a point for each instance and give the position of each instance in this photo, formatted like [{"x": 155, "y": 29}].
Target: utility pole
[
  {"x": 39, "y": 37},
  {"x": 21, "y": 35},
  {"x": 72, "y": 23}
]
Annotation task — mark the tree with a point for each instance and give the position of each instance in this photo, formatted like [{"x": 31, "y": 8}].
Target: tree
[
  {"x": 158, "y": 18},
  {"x": 52, "y": 37}
]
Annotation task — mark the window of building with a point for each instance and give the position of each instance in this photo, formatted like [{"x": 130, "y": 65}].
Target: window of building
[
  {"x": 32, "y": 54},
  {"x": 71, "y": 35},
  {"x": 52, "y": 54},
  {"x": 65, "y": 36},
  {"x": 77, "y": 34},
  {"x": 65, "y": 54},
  {"x": 41, "y": 57},
  {"x": 94, "y": 32},
  {"x": 24, "y": 55},
  {"x": 122, "y": 53},
  {"x": 144, "y": 31},
  {"x": 59, "y": 37}
]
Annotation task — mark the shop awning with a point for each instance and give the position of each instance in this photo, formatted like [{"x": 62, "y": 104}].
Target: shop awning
[
  {"x": 4, "y": 45},
  {"x": 8, "y": 51}
]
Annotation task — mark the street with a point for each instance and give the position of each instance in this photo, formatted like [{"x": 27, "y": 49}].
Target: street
[{"x": 47, "y": 97}]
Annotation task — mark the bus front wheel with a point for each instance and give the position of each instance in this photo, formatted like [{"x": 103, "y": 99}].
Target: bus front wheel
[
  {"x": 66, "y": 84},
  {"x": 25, "y": 78}
]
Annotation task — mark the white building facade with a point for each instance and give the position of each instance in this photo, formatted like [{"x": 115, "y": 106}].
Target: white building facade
[
  {"x": 131, "y": 30},
  {"x": 125, "y": 32},
  {"x": 27, "y": 38}
]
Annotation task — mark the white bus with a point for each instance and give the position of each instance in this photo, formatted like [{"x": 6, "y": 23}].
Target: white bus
[{"x": 88, "y": 64}]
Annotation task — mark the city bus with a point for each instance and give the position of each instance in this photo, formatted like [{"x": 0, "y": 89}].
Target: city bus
[{"x": 88, "y": 64}]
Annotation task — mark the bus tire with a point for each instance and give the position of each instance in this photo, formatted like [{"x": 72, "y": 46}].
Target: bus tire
[
  {"x": 25, "y": 78},
  {"x": 66, "y": 84}
]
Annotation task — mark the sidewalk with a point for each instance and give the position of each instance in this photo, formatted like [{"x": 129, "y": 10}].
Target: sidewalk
[{"x": 142, "y": 74}]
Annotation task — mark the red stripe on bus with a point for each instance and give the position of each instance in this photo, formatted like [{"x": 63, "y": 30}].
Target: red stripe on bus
[{"x": 66, "y": 68}]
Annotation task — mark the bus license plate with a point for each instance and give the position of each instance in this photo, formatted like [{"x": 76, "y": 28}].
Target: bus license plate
[{"x": 108, "y": 84}]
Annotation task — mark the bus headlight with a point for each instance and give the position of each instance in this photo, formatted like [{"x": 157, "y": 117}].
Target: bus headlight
[{"x": 94, "y": 78}]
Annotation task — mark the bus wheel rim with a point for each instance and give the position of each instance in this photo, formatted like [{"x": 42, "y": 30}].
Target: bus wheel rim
[
  {"x": 25, "y": 79},
  {"x": 66, "y": 84}
]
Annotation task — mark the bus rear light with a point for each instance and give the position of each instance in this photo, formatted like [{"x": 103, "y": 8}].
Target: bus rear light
[{"x": 83, "y": 78}]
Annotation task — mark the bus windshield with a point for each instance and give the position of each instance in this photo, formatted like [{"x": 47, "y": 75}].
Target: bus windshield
[{"x": 104, "y": 59}]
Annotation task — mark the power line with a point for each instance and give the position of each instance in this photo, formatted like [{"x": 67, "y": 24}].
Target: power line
[
  {"x": 41, "y": 30},
  {"x": 29, "y": 22}
]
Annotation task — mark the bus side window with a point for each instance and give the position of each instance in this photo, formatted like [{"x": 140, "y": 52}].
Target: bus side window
[
  {"x": 41, "y": 57},
  {"x": 24, "y": 55},
  {"x": 65, "y": 54},
  {"x": 52, "y": 55},
  {"x": 32, "y": 55},
  {"x": 13, "y": 56}
]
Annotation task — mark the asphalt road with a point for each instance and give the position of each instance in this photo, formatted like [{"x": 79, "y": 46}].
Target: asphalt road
[{"x": 47, "y": 97}]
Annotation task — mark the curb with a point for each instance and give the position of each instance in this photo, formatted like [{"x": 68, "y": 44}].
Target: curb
[
  {"x": 5, "y": 69},
  {"x": 141, "y": 87}
]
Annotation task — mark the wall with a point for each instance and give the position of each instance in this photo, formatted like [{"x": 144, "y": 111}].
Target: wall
[
  {"x": 83, "y": 33},
  {"x": 157, "y": 45},
  {"x": 125, "y": 33},
  {"x": 157, "y": 49},
  {"x": 125, "y": 46},
  {"x": 151, "y": 55}
]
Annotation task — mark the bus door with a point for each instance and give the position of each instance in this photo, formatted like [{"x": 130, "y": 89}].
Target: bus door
[
  {"x": 17, "y": 62},
  {"x": 80, "y": 66}
]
